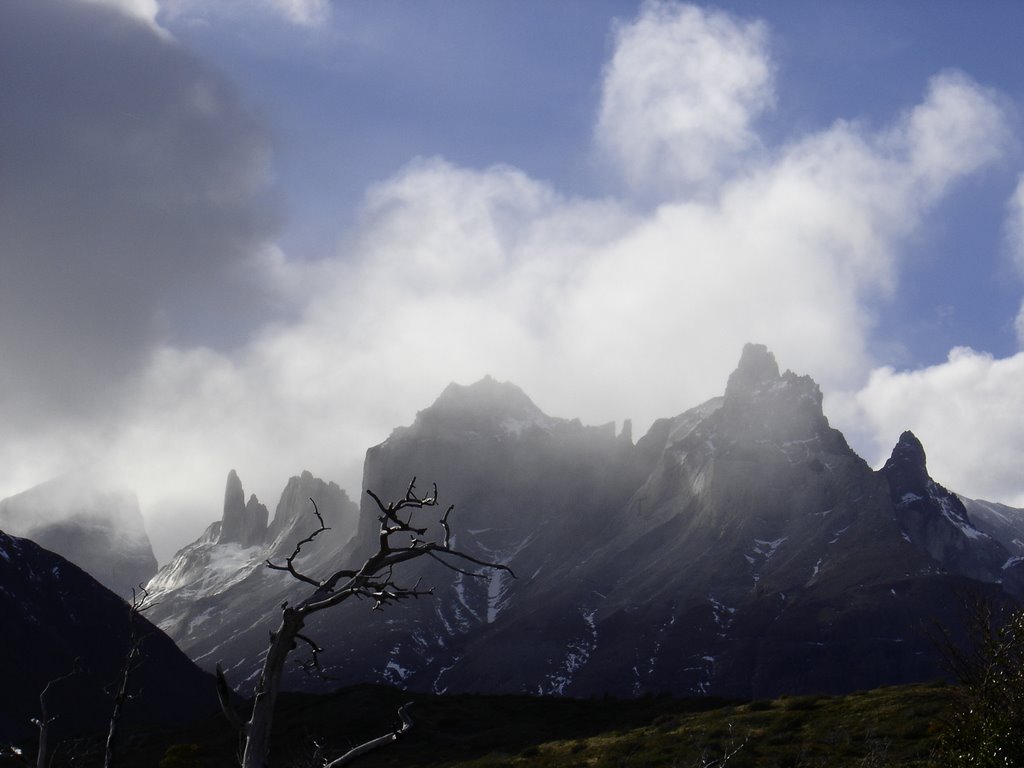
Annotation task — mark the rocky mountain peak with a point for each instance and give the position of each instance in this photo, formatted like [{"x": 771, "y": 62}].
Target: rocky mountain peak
[
  {"x": 294, "y": 518},
  {"x": 764, "y": 404},
  {"x": 243, "y": 522},
  {"x": 756, "y": 368},
  {"x": 936, "y": 520},
  {"x": 481, "y": 406},
  {"x": 907, "y": 467}
]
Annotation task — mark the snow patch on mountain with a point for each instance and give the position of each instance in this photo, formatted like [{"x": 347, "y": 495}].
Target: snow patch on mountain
[{"x": 577, "y": 653}]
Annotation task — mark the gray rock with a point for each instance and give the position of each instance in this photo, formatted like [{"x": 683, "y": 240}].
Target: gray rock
[{"x": 242, "y": 522}]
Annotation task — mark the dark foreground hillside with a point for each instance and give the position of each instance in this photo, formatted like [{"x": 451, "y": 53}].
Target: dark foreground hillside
[{"x": 885, "y": 727}]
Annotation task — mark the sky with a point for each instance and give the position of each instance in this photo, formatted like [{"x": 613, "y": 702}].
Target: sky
[{"x": 261, "y": 234}]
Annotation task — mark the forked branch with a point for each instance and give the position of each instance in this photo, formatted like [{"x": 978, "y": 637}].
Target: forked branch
[{"x": 290, "y": 560}]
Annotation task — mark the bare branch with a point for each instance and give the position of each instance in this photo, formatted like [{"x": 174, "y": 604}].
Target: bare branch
[
  {"x": 290, "y": 560},
  {"x": 373, "y": 580},
  {"x": 476, "y": 560},
  {"x": 43, "y": 755},
  {"x": 447, "y": 528},
  {"x": 391, "y": 593},
  {"x": 731, "y": 749},
  {"x": 380, "y": 741},
  {"x": 376, "y": 498},
  {"x": 450, "y": 567},
  {"x": 122, "y": 694},
  {"x": 311, "y": 666}
]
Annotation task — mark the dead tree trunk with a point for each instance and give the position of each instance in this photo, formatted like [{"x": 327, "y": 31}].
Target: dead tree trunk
[
  {"x": 121, "y": 692},
  {"x": 257, "y": 742},
  {"x": 43, "y": 753},
  {"x": 374, "y": 580}
]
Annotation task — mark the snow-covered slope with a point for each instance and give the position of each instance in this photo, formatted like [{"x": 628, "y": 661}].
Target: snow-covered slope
[{"x": 1003, "y": 523}]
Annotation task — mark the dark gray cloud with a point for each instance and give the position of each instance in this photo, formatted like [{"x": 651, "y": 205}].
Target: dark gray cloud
[{"x": 133, "y": 186}]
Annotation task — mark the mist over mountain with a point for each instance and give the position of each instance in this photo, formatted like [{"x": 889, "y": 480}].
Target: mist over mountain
[
  {"x": 740, "y": 548},
  {"x": 100, "y": 529}
]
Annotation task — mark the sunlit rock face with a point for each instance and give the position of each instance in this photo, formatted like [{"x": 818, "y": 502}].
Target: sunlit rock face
[
  {"x": 57, "y": 618},
  {"x": 740, "y": 548},
  {"x": 99, "y": 529}
]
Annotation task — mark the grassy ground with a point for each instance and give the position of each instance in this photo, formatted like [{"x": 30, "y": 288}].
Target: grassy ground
[{"x": 885, "y": 727}]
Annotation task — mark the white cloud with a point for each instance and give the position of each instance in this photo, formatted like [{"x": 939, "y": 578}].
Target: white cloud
[
  {"x": 680, "y": 95},
  {"x": 595, "y": 310},
  {"x": 959, "y": 128},
  {"x": 967, "y": 414}
]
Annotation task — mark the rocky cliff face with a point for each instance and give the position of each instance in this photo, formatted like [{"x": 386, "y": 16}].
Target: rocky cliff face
[
  {"x": 1003, "y": 523},
  {"x": 758, "y": 555},
  {"x": 740, "y": 548},
  {"x": 937, "y": 521},
  {"x": 55, "y": 613},
  {"x": 244, "y": 523},
  {"x": 99, "y": 529}
]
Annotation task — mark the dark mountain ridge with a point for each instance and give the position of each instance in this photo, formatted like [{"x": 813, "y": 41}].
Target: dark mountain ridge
[
  {"x": 55, "y": 617},
  {"x": 740, "y": 548}
]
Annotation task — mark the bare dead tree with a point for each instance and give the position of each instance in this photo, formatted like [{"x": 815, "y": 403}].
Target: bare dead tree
[
  {"x": 44, "y": 750},
  {"x": 131, "y": 662},
  {"x": 400, "y": 540},
  {"x": 380, "y": 741},
  {"x": 43, "y": 722}
]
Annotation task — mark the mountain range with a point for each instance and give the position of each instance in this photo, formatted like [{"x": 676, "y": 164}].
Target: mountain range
[{"x": 740, "y": 548}]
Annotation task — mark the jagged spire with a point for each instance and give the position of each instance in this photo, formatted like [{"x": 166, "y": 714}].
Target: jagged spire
[
  {"x": 907, "y": 466},
  {"x": 242, "y": 523},
  {"x": 757, "y": 366}
]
